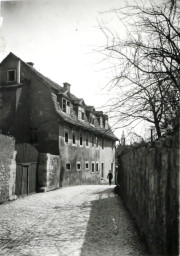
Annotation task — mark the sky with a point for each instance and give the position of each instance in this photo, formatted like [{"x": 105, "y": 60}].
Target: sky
[{"x": 62, "y": 38}]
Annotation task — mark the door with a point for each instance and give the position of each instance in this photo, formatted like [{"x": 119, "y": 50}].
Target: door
[{"x": 26, "y": 170}]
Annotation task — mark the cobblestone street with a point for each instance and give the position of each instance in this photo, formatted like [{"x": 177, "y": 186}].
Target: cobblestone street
[{"x": 74, "y": 221}]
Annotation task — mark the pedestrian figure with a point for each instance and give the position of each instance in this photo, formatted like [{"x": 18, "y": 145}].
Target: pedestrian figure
[{"x": 110, "y": 176}]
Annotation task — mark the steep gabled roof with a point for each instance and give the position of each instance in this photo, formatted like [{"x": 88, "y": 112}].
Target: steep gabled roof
[{"x": 56, "y": 89}]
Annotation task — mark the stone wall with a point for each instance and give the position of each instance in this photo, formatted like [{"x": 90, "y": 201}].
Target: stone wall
[
  {"x": 48, "y": 172},
  {"x": 147, "y": 180},
  {"x": 7, "y": 168}
]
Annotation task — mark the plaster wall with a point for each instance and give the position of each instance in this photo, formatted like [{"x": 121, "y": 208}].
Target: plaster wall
[
  {"x": 42, "y": 114},
  {"x": 83, "y": 154},
  {"x": 48, "y": 172}
]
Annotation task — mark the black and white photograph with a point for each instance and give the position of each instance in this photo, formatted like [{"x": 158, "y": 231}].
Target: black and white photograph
[{"x": 89, "y": 127}]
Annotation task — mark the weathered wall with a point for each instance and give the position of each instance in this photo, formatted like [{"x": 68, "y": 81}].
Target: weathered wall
[
  {"x": 83, "y": 154},
  {"x": 148, "y": 179},
  {"x": 48, "y": 172},
  {"x": 42, "y": 114},
  {"x": 7, "y": 168},
  {"x": 28, "y": 105}
]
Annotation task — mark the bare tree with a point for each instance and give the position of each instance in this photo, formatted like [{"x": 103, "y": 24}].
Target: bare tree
[{"x": 147, "y": 63}]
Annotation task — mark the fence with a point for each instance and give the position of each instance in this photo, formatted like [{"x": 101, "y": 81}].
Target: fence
[{"x": 147, "y": 179}]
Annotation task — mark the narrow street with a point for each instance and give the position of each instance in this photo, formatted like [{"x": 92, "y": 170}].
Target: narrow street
[{"x": 74, "y": 221}]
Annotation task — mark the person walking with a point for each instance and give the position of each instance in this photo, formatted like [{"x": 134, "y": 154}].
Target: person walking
[{"x": 110, "y": 176}]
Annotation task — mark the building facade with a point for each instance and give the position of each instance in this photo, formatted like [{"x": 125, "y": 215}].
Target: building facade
[{"x": 35, "y": 110}]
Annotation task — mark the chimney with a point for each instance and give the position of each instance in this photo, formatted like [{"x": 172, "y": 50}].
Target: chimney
[
  {"x": 30, "y": 64},
  {"x": 67, "y": 86}
]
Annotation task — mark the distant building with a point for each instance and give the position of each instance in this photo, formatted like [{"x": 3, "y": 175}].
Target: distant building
[{"x": 37, "y": 111}]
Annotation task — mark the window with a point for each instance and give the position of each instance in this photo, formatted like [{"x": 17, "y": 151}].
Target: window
[
  {"x": 102, "y": 170},
  {"x": 102, "y": 143},
  {"x": 66, "y": 106},
  {"x": 80, "y": 139},
  {"x": 92, "y": 141},
  {"x": 87, "y": 165},
  {"x": 73, "y": 137},
  {"x": 92, "y": 170},
  {"x": 97, "y": 167},
  {"x": 66, "y": 136},
  {"x": 11, "y": 75},
  {"x": 81, "y": 113},
  {"x": 91, "y": 119},
  {"x": 87, "y": 140},
  {"x": 33, "y": 135},
  {"x": 97, "y": 142},
  {"x": 68, "y": 166},
  {"x": 101, "y": 122},
  {"x": 78, "y": 166},
  {"x": 106, "y": 124}
]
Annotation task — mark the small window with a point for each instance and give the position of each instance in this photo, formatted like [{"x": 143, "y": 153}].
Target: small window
[
  {"x": 78, "y": 166},
  {"x": 92, "y": 141},
  {"x": 73, "y": 137},
  {"x": 97, "y": 167},
  {"x": 91, "y": 119},
  {"x": 81, "y": 113},
  {"x": 87, "y": 140},
  {"x": 66, "y": 137},
  {"x": 106, "y": 124},
  {"x": 11, "y": 76},
  {"x": 101, "y": 122},
  {"x": 102, "y": 143},
  {"x": 68, "y": 166},
  {"x": 92, "y": 167},
  {"x": 80, "y": 139},
  {"x": 66, "y": 106},
  {"x": 102, "y": 170},
  {"x": 87, "y": 165}
]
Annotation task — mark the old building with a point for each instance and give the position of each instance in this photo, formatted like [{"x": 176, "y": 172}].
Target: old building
[{"x": 35, "y": 110}]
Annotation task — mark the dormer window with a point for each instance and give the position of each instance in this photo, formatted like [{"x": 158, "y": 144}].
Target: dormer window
[
  {"x": 106, "y": 124},
  {"x": 11, "y": 76},
  {"x": 101, "y": 122},
  {"x": 66, "y": 106},
  {"x": 91, "y": 119},
  {"x": 81, "y": 113}
]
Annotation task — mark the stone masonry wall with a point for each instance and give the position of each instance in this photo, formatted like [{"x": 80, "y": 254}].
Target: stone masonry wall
[
  {"x": 147, "y": 180},
  {"x": 7, "y": 168},
  {"x": 48, "y": 172}
]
